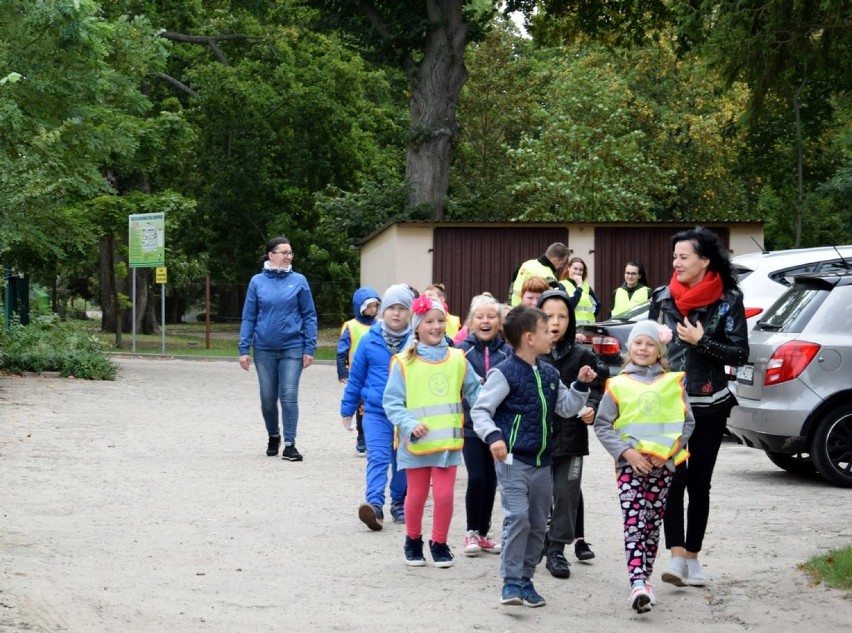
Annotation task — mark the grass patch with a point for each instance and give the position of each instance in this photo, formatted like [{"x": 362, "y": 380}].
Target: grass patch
[
  {"x": 190, "y": 339},
  {"x": 833, "y": 568}
]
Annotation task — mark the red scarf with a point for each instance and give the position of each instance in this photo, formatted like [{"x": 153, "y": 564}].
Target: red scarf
[{"x": 707, "y": 291}]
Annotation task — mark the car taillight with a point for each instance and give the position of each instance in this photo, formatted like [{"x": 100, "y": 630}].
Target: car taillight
[
  {"x": 789, "y": 361},
  {"x": 606, "y": 345},
  {"x": 750, "y": 312}
]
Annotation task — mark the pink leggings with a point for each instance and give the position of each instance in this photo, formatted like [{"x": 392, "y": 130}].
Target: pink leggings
[{"x": 443, "y": 482}]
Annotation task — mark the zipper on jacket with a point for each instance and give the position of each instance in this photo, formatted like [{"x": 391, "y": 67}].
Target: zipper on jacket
[
  {"x": 543, "y": 419},
  {"x": 513, "y": 436}
]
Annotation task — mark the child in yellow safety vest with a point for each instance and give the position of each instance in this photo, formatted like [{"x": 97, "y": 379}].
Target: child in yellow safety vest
[
  {"x": 644, "y": 421},
  {"x": 423, "y": 400}
]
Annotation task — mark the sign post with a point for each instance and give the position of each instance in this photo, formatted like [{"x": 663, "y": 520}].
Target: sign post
[
  {"x": 147, "y": 249},
  {"x": 162, "y": 278}
]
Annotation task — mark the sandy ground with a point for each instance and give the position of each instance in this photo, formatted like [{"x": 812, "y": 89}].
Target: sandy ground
[{"x": 148, "y": 504}]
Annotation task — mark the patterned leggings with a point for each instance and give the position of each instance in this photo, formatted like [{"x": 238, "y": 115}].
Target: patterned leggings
[{"x": 643, "y": 505}]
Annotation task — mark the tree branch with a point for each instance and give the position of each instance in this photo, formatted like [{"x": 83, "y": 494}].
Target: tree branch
[
  {"x": 209, "y": 40},
  {"x": 176, "y": 83}
]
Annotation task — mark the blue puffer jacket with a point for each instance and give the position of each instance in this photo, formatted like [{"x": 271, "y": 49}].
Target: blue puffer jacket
[
  {"x": 368, "y": 374},
  {"x": 498, "y": 350},
  {"x": 279, "y": 313},
  {"x": 525, "y": 417}
]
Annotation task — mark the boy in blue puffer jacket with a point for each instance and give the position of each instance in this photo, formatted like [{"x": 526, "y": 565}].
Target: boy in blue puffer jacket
[
  {"x": 514, "y": 415},
  {"x": 365, "y": 304}
]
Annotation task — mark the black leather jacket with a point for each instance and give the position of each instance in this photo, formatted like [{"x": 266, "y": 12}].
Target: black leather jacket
[{"x": 725, "y": 341}]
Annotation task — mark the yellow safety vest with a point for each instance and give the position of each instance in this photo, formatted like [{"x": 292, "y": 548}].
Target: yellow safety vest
[
  {"x": 584, "y": 311},
  {"x": 651, "y": 415},
  {"x": 453, "y": 325},
  {"x": 433, "y": 396},
  {"x": 356, "y": 331},
  {"x": 623, "y": 302},
  {"x": 531, "y": 268}
]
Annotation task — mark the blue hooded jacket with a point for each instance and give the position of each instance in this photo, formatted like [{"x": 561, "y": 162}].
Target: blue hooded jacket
[
  {"x": 279, "y": 313},
  {"x": 345, "y": 342},
  {"x": 368, "y": 374}
]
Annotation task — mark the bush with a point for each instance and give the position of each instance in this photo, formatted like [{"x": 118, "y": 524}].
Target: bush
[{"x": 49, "y": 345}]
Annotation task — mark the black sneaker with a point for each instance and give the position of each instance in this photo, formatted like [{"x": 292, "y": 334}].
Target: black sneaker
[
  {"x": 441, "y": 554},
  {"x": 582, "y": 551},
  {"x": 272, "y": 447},
  {"x": 557, "y": 565},
  {"x": 413, "y": 550},
  {"x": 291, "y": 454},
  {"x": 360, "y": 444}
]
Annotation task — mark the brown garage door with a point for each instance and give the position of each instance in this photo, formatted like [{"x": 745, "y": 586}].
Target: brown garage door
[
  {"x": 614, "y": 247},
  {"x": 469, "y": 261}
]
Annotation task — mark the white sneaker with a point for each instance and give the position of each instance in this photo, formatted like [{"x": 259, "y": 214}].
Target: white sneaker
[
  {"x": 640, "y": 601},
  {"x": 471, "y": 543},
  {"x": 649, "y": 587},
  {"x": 676, "y": 574},
  {"x": 695, "y": 574}
]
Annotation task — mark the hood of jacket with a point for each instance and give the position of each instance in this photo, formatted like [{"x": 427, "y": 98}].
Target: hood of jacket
[
  {"x": 360, "y": 296},
  {"x": 570, "y": 334}
]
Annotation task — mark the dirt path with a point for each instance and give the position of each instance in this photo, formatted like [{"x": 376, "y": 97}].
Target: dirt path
[{"x": 147, "y": 505}]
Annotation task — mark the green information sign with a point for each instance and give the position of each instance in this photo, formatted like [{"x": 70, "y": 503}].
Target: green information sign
[{"x": 147, "y": 239}]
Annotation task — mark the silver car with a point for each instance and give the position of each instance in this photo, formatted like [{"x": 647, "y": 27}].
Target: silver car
[{"x": 795, "y": 392}]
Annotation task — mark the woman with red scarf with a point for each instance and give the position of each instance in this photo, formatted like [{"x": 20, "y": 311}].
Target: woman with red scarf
[{"x": 704, "y": 308}]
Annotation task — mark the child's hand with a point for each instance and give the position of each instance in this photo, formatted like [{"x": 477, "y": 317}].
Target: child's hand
[
  {"x": 586, "y": 374},
  {"x": 347, "y": 423},
  {"x": 420, "y": 430},
  {"x": 499, "y": 450},
  {"x": 657, "y": 462},
  {"x": 637, "y": 461},
  {"x": 587, "y": 415},
  {"x": 342, "y": 381}
]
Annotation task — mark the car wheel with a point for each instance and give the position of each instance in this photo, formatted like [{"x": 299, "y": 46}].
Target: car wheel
[
  {"x": 794, "y": 463},
  {"x": 831, "y": 447}
]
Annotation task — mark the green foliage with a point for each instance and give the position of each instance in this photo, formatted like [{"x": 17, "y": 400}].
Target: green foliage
[
  {"x": 50, "y": 346},
  {"x": 834, "y": 568}
]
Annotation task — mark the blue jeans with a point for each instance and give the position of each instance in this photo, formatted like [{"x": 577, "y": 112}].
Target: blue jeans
[
  {"x": 278, "y": 372},
  {"x": 381, "y": 455}
]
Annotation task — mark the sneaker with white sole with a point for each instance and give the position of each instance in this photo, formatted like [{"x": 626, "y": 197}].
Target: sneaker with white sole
[
  {"x": 649, "y": 587},
  {"x": 413, "y": 550},
  {"x": 441, "y": 554},
  {"x": 489, "y": 545},
  {"x": 640, "y": 600},
  {"x": 471, "y": 543},
  {"x": 676, "y": 574},
  {"x": 695, "y": 574}
]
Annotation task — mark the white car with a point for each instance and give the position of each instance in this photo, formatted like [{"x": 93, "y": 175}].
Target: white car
[{"x": 763, "y": 277}]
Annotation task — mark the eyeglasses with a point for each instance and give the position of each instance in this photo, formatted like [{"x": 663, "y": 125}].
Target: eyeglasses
[
  {"x": 284, "y": 253},
  {"x": 631, "y": 274}
]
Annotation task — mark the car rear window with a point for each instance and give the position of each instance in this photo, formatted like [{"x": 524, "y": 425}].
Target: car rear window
[
  {"x": 792, "y": 311},
  {"x": 741, "y": 272}
]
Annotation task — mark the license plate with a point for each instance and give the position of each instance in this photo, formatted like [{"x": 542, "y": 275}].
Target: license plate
[{"x": 745, "y": 374}]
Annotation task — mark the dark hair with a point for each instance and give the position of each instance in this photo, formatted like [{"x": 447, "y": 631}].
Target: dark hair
[
  {"x": 521, "y": 320},
  {"x": 566, "y": 272},
  {"x": 272, "y": 244},
  {"x": 707, "y": 244},
  {"x": 636, "y": 263}
]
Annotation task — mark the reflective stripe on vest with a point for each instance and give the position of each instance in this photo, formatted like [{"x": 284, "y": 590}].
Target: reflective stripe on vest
[
  {"x": 584, "y": 311},
  {"x": 356, "y": 331},
  {"x": 531, "y": 268},
  {"x": 651, "y": 415},
  {"x": 623, "y": 302},
  {"x": 433, "y": 397}
]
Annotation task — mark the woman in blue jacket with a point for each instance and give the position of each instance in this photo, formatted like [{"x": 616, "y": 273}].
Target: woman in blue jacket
[{"x": 280, "y": 326}]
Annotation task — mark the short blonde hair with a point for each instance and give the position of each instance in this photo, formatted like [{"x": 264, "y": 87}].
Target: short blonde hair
[{"x": 479, "y": 301}]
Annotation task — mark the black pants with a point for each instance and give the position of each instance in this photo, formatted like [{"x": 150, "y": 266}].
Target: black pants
[
  {"x": 567, "y": 509},
  {"x": 481, "y": 484},
  {"x": 693, "y": 477}
]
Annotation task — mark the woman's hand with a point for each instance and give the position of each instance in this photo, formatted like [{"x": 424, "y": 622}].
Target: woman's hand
[
  {"x": 307, "y": 361},
  {"x": 347, "y": 423},
  {"x": 689, "y": 333},
  {"x": 245, "y": 361}
]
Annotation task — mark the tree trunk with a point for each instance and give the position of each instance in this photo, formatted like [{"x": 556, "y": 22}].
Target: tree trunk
[
  {"x": 800, "y": 170},
  {"x": 434, "y": 98},
  {"x": 110, "y": 299}
]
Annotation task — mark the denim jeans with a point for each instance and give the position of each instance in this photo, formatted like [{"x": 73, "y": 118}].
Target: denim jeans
[{"x": 278, "y": 372}]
